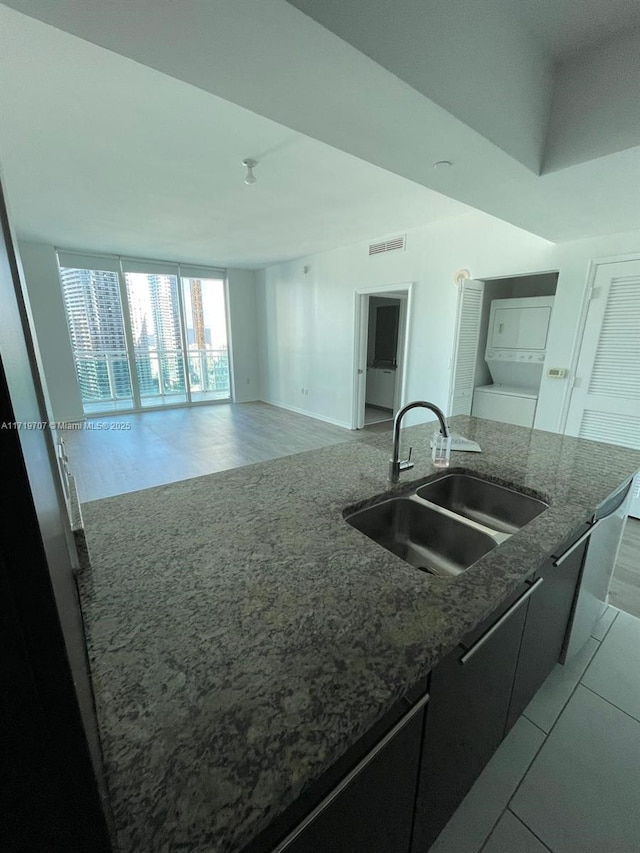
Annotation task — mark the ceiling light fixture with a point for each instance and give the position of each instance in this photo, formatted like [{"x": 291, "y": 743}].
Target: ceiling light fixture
[
  {"x": 442, "y": 164},
  {"x": 250, "y": 178}
]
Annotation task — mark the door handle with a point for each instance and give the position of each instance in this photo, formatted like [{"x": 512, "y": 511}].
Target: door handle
[
  {"x": 331, "y": 796},
  {"x": 557, "y": 561},
  {"x": 491, "y": 631}
]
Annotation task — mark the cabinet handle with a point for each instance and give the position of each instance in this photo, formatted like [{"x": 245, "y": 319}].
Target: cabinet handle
[
  {"x": 346, "y": 781},
  {"x": 491, "y": 631},
  {"x": 557, "y": 561}
]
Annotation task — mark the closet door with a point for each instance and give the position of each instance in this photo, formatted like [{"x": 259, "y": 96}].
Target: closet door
[
  {"x": 466, "y": 347},
  {"x": 605, "y": 400}
]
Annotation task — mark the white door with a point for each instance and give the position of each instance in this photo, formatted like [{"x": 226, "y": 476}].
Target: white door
[
  {"x": 401, "y": 292},
  {"x": 466, "y": 347},
  {"x": 605, "y": 400}
]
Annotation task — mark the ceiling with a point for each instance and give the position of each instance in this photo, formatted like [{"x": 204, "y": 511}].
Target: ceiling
[
  {"x": 123, "y": 159},
  {"x": 569, "y": 26},
  {"x": 132, "y": 139}
]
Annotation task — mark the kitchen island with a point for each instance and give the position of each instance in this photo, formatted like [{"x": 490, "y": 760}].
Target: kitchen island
[{"x": 243, "y": 637}]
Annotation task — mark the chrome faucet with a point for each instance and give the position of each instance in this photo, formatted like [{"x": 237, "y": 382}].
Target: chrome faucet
[{"x": 395, "y": 465}]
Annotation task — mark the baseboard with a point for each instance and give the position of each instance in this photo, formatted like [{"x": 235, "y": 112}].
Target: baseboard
[{"x": 308, "y": 414}]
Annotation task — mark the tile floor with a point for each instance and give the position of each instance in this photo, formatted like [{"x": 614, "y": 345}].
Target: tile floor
[
  {"x": 567, "y": 777},
  {"x": 374, "y": 415}
]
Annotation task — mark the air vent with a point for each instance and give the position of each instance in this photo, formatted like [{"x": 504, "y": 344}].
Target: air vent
[{"x": 393, "y": 245}]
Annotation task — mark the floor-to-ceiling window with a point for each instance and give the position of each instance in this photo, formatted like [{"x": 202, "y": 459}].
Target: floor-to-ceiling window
[
  {"x": 206, "y": 330},
  {"x": 145, "y": 334}
]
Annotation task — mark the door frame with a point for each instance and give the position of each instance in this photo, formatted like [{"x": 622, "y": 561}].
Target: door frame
[
  {"x": 592, "y": 271},
  {"x": 402, "y": 291}
]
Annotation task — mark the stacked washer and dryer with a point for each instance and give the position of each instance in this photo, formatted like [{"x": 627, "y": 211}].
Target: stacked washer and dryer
[{"x": 515, "y": 354}]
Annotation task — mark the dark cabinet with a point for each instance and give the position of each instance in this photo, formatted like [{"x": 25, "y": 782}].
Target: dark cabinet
[
  {"x": 480, "y": 689},
  {"x": 401, "y": 794},
  {"x": 545, "y": 629},
  {"x": 373, "y": 808},
  {"x": 467, "y": 715}
]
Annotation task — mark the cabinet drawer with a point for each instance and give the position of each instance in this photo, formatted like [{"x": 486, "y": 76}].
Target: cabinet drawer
[
  {"x": 467, "y": 715},
  {"x": 545, "y": 629},
  {"x": 373, "y": 812}
]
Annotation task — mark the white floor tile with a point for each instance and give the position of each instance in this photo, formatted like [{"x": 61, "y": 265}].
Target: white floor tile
[
  {"x": 604, "y": 623},
  {"x": 512, "y": 836},
  {"x": 546, "y": 706},
  {"x": 614, "y": 672},
  {"x": 469, "y": 827},
  {"x": 581, "y": 794}
]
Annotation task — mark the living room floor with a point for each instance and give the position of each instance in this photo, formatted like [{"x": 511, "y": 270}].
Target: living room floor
[{"x": 124, "y": 453}]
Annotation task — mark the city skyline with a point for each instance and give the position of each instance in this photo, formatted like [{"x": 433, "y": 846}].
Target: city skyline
[{"x": 97, "y": 322}]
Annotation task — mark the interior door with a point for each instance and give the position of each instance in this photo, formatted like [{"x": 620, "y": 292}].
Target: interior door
[
  {"x": 466, "y": 347},
  {"x": 605, "y": 400},
  {"x": 361, "y": 348}
]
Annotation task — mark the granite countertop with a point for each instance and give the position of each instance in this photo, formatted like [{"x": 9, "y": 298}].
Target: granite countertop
[{"x": 242, "y": 636}]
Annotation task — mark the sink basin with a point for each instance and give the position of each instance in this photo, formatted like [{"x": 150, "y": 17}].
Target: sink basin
[
  {"x": 423, "y": 536},
  {"x": 497, "y": 507}
]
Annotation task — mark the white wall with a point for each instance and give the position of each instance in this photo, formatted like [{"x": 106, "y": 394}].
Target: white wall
[
  {"x": 243, "y": 322},
  {"x": 307, "y": 320},
  {"x": 51, "y": 331}
]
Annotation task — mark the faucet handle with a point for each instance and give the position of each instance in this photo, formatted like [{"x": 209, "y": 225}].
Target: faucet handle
[{"x": 407, "y": 463}]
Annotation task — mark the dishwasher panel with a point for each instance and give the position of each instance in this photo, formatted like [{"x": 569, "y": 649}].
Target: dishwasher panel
[{"x": 609, "y": 522}]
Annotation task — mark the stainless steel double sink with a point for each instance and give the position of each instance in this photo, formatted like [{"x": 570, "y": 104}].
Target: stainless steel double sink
[{"x": 445, "y": 526}]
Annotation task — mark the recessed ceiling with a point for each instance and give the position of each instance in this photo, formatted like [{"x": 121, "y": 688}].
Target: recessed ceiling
[
  {"x": 102, "y": 153},
  {"x": 504, "y": 67},
  {"x": 539, "y": 136},
  {"x": 569, "y": 26}
]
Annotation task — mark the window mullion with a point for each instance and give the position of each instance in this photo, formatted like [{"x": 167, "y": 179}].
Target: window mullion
[
  {"x": 227, "y": 322},
  {"x": 128, "y": 334},
  {"x": 183, "y": 338}
]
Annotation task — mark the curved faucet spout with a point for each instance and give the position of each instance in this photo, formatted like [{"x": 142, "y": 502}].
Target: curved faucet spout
[{"x": 395, "y": 465}]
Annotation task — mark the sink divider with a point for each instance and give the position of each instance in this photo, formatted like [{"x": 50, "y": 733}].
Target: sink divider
[{"x": 497, "y": 535}]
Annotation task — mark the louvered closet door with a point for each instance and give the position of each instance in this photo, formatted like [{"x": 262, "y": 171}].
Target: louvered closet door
[
  {"x": 466, "y": 348},
  {"x": 605, "y": 401}
]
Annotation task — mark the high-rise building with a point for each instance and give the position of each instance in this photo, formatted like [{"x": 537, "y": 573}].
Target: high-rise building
[
  {"x": 94, "y": 314},
  {"x": 198, "y": 313},
  {"x": 163, "y": 295}
]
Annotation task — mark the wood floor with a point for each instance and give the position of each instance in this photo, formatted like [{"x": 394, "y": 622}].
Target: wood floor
[
  {"x": 624, "y": 592},
  {"x": 155, "y": 448}
]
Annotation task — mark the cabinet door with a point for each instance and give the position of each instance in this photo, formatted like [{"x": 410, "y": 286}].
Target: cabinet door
[
  {"x": 465, "y": 722},
  {"x": 374, "y": 812},
  {"x": 386, "y": 387},
  {"x": 545, "y": 629},
  {"x": 372, "y": 392}
]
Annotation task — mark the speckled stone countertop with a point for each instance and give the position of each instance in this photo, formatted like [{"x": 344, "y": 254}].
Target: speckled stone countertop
[{"x": 242, "y": 636}]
